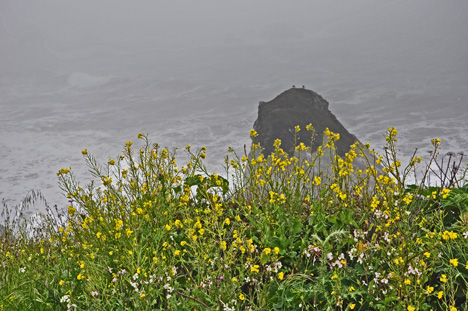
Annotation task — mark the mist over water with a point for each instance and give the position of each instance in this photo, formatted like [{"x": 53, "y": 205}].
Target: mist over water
[{"x": 87, "y": 74}]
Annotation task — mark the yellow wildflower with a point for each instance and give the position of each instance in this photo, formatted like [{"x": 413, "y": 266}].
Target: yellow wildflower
[
  {"x": 454, "y": 262},
  {"x": 443, "y": 278},
  {"x": 222, "y": 245}
]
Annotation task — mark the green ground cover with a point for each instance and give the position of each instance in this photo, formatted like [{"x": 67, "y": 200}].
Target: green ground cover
[{"x": 270, "y": 233}]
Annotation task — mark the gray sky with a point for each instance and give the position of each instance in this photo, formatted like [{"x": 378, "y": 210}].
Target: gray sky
[{"x": 62, "y": 28}]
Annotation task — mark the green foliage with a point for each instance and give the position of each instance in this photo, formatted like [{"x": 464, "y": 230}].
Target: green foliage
[{"x": 283, "y": 232}]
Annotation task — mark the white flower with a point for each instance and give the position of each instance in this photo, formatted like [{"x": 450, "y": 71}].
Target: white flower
[
  {"x": 22, "y": 270},
  {"x": 65, "y": 298}
]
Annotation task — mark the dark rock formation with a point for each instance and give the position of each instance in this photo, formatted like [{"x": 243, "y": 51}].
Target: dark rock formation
[{"x": 298, "y": 106}]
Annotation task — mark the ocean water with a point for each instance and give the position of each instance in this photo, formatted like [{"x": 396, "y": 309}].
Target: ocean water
[{"x": 207, "y": 94}]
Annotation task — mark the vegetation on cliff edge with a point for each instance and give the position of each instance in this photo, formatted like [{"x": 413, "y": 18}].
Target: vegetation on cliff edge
[{"x": 272, "y": 233}]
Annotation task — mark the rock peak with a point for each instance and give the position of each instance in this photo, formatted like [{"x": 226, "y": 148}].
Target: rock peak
[{"x": 298, "y": 106}]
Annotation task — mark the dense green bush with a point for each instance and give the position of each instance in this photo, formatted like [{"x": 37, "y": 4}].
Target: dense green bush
[{"x": 275, "y": 233}]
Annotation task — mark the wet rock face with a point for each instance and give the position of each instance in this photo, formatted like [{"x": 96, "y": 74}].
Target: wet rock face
[{"x": 298, "y": 106}]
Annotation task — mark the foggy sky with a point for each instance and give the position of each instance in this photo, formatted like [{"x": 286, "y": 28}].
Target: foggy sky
[{"x": 62, "y": 27}]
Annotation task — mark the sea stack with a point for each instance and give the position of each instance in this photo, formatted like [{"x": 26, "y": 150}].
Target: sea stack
[{"x": 298, "y": 106}]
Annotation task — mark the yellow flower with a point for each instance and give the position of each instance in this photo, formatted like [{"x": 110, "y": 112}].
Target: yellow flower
[
  {"x": 253, "y": 133},
  {"x": 61, "y": 282},
  {"x": 84, "y": 151},
  {"x": 255, "y": 268},
  {"x": 183, "y": 243},
  {"x": 297, "y": 128},
  {"x": 140, "y": 136},
  {"x": 351, "y": 289},
  {"x": 453, "y": 309},
  {"x": 407, "y": 282},
  {"x": 227, "y": 221},
  {"x": 177, "y": 252},
  {"x": 267, "y": 251},
  {"x": 430, "y": 289},
  {"x": 410, "y": 308},
  {"x": 352, "y": 306},
  {"x": 309, "y": 126},
  {"x": 440, "y": 295},
  {"x": 276, "y": 250},
  {"x": 427, "y": 254},
  {"x": 241, "y": 297},
  {"x": 443, "y": 278},
  {"x": 71, "y": 211},
  {"x": 281, "y": 275},
  {"x": 454, "y": 262},
  {"x": 111, "y": 162},
  {"x": 234, "y": 279},
  {"x": 222, "y": 245},
  {"x": 445, "y": 193}
]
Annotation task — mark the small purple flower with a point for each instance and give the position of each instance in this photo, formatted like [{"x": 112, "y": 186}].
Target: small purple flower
[
  {"x": 123, "y": 271},
  {"x": 221, "y": 277},
  {"x": 114, "y": 280},
  {"x": 94, "y": 294}
]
